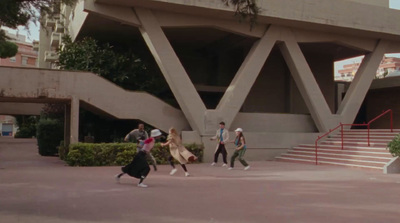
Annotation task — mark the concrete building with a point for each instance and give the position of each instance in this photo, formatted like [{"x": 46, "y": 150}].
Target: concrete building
[
  {"x": 26, "y": 56},
  {"x": 276, "y": 80},
  {"x": 388, "y": 65}
]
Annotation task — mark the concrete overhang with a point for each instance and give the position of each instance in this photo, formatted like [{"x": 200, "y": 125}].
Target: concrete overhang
[
  {"x": 12, "y": 108},
  {"x": 389, "y": 82},
  {"x": 339, "y": 16}
]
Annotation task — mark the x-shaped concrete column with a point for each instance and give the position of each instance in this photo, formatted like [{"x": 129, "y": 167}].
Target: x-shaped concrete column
[
  {"x": 246, "y": 76},
  {"x": 305, "y": 81},
  {"x": 351, "y": 103},
  {"x": 172, "y": 69}
]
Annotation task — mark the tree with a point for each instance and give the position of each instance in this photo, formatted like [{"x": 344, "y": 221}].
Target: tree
[
  {"x": 245, "y": 10},
  {"x": 7, "y": 49},
  {"x": 120, "y": 66},
  {"x": 14, "y": 13}
]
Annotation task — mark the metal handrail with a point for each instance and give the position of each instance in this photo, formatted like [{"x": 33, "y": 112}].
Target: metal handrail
[
  {"x": 341, "y": 130},
  {"x": 320, "y": 137}
]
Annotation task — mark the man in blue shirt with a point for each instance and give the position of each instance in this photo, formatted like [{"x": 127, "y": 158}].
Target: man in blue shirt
[{"x": 222, "y": 136}]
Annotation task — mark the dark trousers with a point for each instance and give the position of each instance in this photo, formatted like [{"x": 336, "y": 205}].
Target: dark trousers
[
  {"x": 221, "y": 149},
  {"x": 240, "y": 154},
  {"x": 171, "y": 162}
]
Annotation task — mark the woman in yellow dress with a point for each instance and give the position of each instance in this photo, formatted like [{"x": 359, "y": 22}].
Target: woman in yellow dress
[{"x": 178, "y": 152}]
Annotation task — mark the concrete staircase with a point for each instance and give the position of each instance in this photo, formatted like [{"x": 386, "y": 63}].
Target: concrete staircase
[
  {"x": 355, "y": 153},
  {"x": 94, "y": 93}
]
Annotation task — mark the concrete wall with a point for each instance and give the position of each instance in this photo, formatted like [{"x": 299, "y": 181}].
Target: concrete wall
[
  {"x": 301, "y": 14},
  {"x": 258, "y": 122},
  {"x": 272, "y": 84},
  {"x": 7, "y": 108},
  {"x": 384, "y": 94},
  {"x": 383, "y": 3},
  {"x": 378, "y": 101},
  {"x": 76, "y": 20}
]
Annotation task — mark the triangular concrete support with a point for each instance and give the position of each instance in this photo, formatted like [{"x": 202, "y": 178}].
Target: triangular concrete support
[
  {"x": 351, "y": 104},
  {"x": 172, "y": 69},
  {"x": 305, "y": 81},
  {"x": 246, "y": 76}
]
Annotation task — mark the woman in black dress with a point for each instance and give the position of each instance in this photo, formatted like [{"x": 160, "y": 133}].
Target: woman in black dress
[{"x": 139, "y": 168}]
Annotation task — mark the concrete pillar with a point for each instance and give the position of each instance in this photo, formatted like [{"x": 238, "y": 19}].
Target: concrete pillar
[
  {"x": 74, "y": 120},
  {"x": 246, "y": 76},
  {"x": 67, "y": 125},
  {"x": 172, "y": 69},
  {"x": 351, "y": 103},
  {"x": 305, "y": 81}
]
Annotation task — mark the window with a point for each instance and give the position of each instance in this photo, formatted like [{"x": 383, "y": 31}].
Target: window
[
  {"x": 24, "y": 60},
  {"x": 13, "y": 59}
]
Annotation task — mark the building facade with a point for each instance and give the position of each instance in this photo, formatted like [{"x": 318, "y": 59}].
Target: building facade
[
  {"x": 27, "y": 57},
  {"x": 388, "y": 65},
  {"x": 275, "y": 80}
]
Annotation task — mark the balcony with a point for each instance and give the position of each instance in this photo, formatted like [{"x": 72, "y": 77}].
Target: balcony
[
  {"x": 50, "y": 56},
  {"x": 55, "y": 40},
  {"x": 35, "y": 45},
  {"x": 59, "y": 27},
  {"x": 51, "y": 21}
]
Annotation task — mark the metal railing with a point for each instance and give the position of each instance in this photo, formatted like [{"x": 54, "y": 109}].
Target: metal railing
[{"x": 341, "y": 126}]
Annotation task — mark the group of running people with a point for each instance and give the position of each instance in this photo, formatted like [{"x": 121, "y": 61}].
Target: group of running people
[{"x": 139, "y": 167}]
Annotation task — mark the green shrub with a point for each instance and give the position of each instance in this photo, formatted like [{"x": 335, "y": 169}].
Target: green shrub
[
  {"x": 25, "y": 132},
  {"x": 110, "y": 154},
  {"x": 394, "y": 146},
  {"x": 49, "y": 134}
]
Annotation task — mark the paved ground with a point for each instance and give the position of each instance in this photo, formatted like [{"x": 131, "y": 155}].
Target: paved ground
[{"x": 45, "y": 190}]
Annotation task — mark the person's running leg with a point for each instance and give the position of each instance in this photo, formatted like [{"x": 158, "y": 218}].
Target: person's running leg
[
  {"x": 241, "y": 157},
  {"x": 224, "y": 154},
  {"x": 143, "y": 174},
  {"x": 152, "y": 160},
  {"x": 235, "y": 154},
  {"x": 171, "y": 162},
  {"x": 216, "y": 154},
  {"x": 184, "y": 168},
  {"x": 118, "y": 177}
]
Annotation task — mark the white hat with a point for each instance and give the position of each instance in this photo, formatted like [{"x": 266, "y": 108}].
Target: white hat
[
  {"x": 155, "y": 133},
  {"x": 239, "y": 130}
]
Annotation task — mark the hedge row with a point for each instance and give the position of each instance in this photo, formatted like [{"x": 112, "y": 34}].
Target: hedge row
[{"x": 111, "y": 154}]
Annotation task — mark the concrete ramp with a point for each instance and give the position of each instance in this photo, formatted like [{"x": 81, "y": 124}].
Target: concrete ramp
[{"x": 42, "y": 86}]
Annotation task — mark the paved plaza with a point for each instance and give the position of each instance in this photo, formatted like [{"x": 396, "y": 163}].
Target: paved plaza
[{"x": 45, "y": 190}]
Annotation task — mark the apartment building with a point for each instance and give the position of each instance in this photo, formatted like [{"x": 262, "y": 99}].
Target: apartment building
[
  {"x": 27, "y": 56},
  {"x": 387, "y": 66}
]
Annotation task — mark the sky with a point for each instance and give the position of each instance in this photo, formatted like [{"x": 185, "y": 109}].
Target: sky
[{"x": 33, "y": 34}]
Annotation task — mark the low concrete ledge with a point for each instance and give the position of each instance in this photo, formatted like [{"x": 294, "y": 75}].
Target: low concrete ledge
[{"x": 393, "y": 166}]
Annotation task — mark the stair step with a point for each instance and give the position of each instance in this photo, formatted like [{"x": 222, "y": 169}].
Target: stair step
[
  {"x": 327, "y": 162},
  {"x": 344, "y": 151},
  {"x": 372, "y": 130},
  {"x": 370, "y": 133},
  {"x": 362, "y": 137},
  {"x": 385, "y": 141},
  {"x": 353, "y": 143},
  {"x": 338, "y": 160},
  {"x": 352, "y": 148},
  {"x": 322, "y": 154},
  {"x": 355, "y": 152}
]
